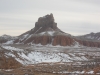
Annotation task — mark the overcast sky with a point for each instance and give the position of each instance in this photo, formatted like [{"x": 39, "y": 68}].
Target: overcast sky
[{"x": 76, "y": 17}]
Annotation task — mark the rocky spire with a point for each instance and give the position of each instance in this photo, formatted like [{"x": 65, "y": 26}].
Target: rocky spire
[{"x": 46, "y": 22}]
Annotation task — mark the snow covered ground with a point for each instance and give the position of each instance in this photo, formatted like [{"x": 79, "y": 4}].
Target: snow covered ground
[
  {"x": 76, "y": 72},
  {"x": 11, "y": 48},
  {"x": 39, "y": 54}
]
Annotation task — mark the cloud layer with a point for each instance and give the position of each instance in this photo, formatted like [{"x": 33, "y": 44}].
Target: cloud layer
[{"x": 76, "y": 17}]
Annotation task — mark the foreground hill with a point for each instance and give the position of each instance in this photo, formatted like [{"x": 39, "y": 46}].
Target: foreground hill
[{"x": 56, "y": 60}]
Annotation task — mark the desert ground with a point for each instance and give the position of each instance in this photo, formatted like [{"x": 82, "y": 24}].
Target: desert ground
[{"x": 76, "y": 60}]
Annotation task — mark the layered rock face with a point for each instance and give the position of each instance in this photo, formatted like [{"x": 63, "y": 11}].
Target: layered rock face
[
  {"x": 62, "y": 40},
  {"x": 54, "y": 40},
  {"x": 89, "y": 43},
  {"x": 46, "y": 32}
]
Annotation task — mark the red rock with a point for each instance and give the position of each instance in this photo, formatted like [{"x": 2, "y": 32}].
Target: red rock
[
  {"x": 9, "y": 63},
  {"x": 62, "y": 40}
]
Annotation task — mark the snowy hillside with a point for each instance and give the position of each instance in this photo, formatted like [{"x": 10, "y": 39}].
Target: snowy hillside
[
  {"x": 48, "y": 53},
  {"x": 92, "y": 36},
  {"x": 7, "y": 39}
]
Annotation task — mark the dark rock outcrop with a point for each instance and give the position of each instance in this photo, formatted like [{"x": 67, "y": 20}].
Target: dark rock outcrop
[{"x": 45, "y": 23}]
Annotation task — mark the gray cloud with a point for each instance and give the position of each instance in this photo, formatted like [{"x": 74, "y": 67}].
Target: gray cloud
[
  {"x": 79, "y": 28},
  {"x": 73, "y": 16},
  {"x": 62, "y": 5}
]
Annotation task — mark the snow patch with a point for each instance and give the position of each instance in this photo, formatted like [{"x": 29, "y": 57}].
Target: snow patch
[
  {"x": 51, "y": 33},
  {"x": 12, "y": 48},
  {"x": 9, "y": 42},
  {"x": 24, "y": 37},
  {"x": 10, "y": 54},
  {"x": 9, "y": 70},
  {"x": 38, "y": 30},
  {"x": 77, "y": 45}
]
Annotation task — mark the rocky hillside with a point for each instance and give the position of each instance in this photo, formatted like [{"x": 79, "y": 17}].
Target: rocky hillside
[
  {"x": 8, "y": 62},
  {"x": 46, "y": 32},
  {"x": 91, "y": 37},
  {"x": 17, "y": 55},
  {"x": 7, "y": 39}
]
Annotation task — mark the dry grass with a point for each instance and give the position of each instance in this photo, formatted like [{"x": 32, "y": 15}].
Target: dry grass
[{"x": 42, "y": 69}]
